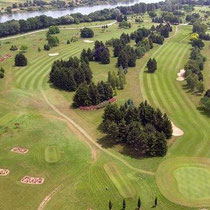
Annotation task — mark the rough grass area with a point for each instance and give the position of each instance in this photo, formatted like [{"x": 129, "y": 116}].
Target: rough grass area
[
  {"x": 185, "y": 181},
  {"x": 52, "y": 154},
  {"x": 193, "y": 182},
  {"x": 120, "y": 180}
]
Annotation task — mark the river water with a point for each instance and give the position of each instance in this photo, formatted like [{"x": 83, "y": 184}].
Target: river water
[{"x": 85, "y": 10}]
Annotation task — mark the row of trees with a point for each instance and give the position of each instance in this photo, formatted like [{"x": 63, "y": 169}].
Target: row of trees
[
  {"x": 201, "y": 28},
  {"x": 40, "y": 22},
  {"x": 117, "y": 81},
  {"x": 138, "y": 206},
  {"x": 68, "y": 75},
  {"x": 194, "y": 68},
  {"x": 87, "y": 95},
  {"x": 144, "y": 129},
  {"x": 205, "y": 101}
]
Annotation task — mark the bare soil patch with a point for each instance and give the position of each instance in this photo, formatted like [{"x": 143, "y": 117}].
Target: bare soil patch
[
  {"x": 19, "y": 150},
  {"x": 32, "y": 180},
  {"x": 4, "y": 172}
]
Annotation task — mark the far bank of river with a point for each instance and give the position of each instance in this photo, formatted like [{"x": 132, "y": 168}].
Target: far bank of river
[{"x": 85, "y": 10}]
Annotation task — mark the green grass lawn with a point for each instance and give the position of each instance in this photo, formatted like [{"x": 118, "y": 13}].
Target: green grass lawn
[
  {"x": 193, "y": 182},
  {"x": 50, "y": 140}
]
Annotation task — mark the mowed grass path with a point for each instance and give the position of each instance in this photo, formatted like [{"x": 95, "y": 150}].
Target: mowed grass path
[{"x": 162, "y": 90}]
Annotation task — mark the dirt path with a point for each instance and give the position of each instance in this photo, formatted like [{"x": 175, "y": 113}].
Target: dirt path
[
  {"x": 48, "y": 197},
  {"x": 34, "y": 32},
  {"x": 91, "y": 140},
  {"x": 75, "y": 131}
]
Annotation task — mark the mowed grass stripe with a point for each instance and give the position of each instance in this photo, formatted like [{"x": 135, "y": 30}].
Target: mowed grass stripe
[
  {"x": 120, "y": 180},
  {"x": 168, "y": 99},
  {"x": 172, "y": 98},
  {"x": 30, "y": 83},
  {"x": 33, "y": 68},
  {"x": 44, "y": 76},
  {"x": 166, "y": 81}
]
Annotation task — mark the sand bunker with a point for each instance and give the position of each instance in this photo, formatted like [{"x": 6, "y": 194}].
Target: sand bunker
[
  {"x": 176, "y": 131},
  {"x": 88, "y": 41},
  {"x": 53, "y": 54},
  {"x": 32, "y": 180},
  {"x": 19, "y": 150},
  {"x": 180, "y": 75},
  {"x": 4, "y": 172}
]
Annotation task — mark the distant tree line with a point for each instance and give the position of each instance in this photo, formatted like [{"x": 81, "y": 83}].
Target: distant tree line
[
  {"x": 21, "y": 26},
  {"x": 143, "y": 129},
  {"x": 171, "y": 17}
]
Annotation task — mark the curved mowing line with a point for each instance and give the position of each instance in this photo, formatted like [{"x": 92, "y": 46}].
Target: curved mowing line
[
  {"x": 36, "y": 72},
  {"x": 165, "y": 80},
  {"x": 174, "y": 92},
  {"x": 46, "y": 72},
  {"x": 91, "y": 140},
  {"x": 23, "y": 73},
  {"x": 167, "y": 98}
]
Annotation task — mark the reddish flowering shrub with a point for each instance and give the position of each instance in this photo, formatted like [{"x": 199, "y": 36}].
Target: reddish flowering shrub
[{"x": 99, "y": 106}]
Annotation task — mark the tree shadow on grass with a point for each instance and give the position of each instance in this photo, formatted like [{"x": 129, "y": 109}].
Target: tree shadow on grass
[
  {"x": 107, "y": 143},
  {"x": 203, "y": 111}
]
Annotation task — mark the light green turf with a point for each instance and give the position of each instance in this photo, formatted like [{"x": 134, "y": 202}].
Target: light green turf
[
  {"x": 120, "y": 180},
  {"x": 83, "y": 180},
  {"x": 52, "y": 154},
  {"x": 193, "y": 182}
]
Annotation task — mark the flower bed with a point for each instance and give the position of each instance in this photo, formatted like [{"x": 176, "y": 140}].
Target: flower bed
[
  {"x": 4, "y": 57},
  {"x": 4, "y": 172},
  {"x": 19, "y": 150},
  {"x": 99, "y": 106},
  {"x": 32, "y": 180}
]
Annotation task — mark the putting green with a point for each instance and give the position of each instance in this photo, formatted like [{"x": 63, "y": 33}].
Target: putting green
[
  {"x": 52, "y": 154},
  {"x": 185, "y": 181},
  {"x": 193, "y": 182},
  {"x": 120, "y": 180}
]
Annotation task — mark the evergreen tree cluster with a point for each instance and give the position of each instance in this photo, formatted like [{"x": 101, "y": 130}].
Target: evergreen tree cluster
[
  {"x": 201, "y": 28},
  {"x": 100, "y": 53},
  {"x": 205, "y": 101},
  {"x": 194, "y": 68},
  {"x": 127, "y": 57},
  {"x": 68, "y": 75},
  {"x": 13, "y": 48},
  {"x": 157, "y": 20},
  {"x": 144, "y": 129},
  {"x": 117, "y": 81},
  {"x": 152, "y": 65},
  {"x": 86, "y": 33},
  {"x": 53, "y": 30},
  {"x": 91, "y": 94},
  {"x": 20, "y": 60},
  {"x": 164, "y": 30},
  {"x": 139, "y": 34},
  {"x": 124, "y": 24}
]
